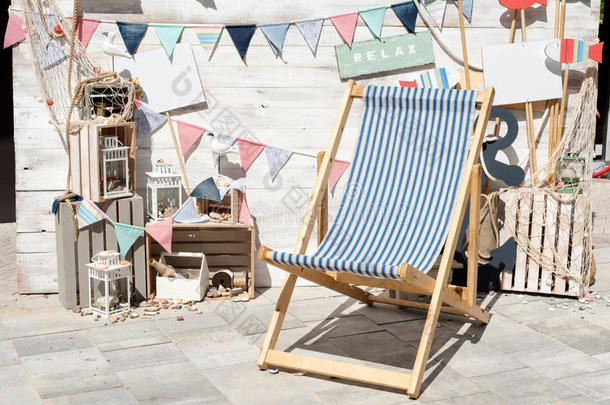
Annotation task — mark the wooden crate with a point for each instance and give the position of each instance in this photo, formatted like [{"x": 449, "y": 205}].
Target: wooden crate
[
  {"x": 72, "y": 256},
  {"x": 230, "y": 204},
  {"x": 86, "y": 161},
  {"x": 226, "y": 246},
  {"x": 550, "y": 226}
]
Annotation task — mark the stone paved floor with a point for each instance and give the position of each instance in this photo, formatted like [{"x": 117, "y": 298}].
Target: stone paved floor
[{"x": 530, "y": 353}]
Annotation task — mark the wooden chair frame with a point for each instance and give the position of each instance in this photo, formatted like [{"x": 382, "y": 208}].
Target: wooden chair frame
[{"x": 459, "y": 300}]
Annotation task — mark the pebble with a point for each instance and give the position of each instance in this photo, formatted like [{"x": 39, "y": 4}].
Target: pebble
[
  {"x": 582, "y": 307},
  {"x": 76, "y": 309},
  {"x": 236, "y": 291},
  {"x": 199, "y": 311},
  {"x": 236, "y": 299},
  {"x": 176, "y": 306},
  {"x": 165, "y": 306},
  {"x": 134, "y": 315},
  {"x": 193, "y": 309},
  {"x": 96, "y": 319},
  {"x": 524, "y": 302},
  {"x": 113, "y": 319},
  {"x": 245, "y": 299},
  {"x": 180, "y": 318}
]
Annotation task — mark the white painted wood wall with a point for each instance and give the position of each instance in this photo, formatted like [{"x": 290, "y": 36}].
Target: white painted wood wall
[{"x": 289, "y": 103}]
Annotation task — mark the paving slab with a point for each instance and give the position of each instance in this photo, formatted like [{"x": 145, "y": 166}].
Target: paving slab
[
  {"x": 345, "y": 326},
  {"x": 8, "y": 354},
  {"x": 473, "y": 399},
  {"x": 377, "y": 347},
  {"x": 220, "y": 347},
  {"x": 245, "y": 384},
  {"x": 532, "y": 311},
  {"x": 317, "y": 309},
  {"x": 144, "y": 356},
  {"x": 382, "y": 313},
  {"x": 191, "y": 322},
  {"x": 594, "y": 385},
  {"x": 15, "y": 387},
  {"x": 51, "y": 343},
  {"x": 579, "y": 333},
  {"x": 253, "y": 320},
  {"x": 130, "y": 334},
  {"x": 300, "y": 293},
  {"x": 113, "y": 396},
  {"x": 524, "y": 386},
  {"x": 42, "y": 321},
  {"x": 70, "y": 372},
  {"x": 176, "y": 383}
]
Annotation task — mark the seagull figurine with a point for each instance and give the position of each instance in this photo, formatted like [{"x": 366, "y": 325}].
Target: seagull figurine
[
  {"x": 220, "y": 148},
  {"x": 111, "y": 49}
]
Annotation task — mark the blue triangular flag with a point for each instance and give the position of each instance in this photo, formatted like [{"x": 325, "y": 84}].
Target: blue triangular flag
[
  {"x": 311, "y": 30},
  {"x": 132, "y": 34},
  {"x": 466, "y": 8},
  {"x": 406, "y": 13},
  {"x": 276, "y": 159},
  {"x": 187, "y": 213},
  {"x": 147, "y": 120},
  {"x": 275, "y": 34},
  {"x": 168, "y": 35},
  {"x": 126, "y": 235},
  {"x": 373, "y": 17},
  {"x": 207, "y": 190},
  {"x": 241, "y": 36}
]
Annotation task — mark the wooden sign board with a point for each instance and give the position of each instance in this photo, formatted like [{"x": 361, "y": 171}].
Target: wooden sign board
[{"x": 391, "y": 53}]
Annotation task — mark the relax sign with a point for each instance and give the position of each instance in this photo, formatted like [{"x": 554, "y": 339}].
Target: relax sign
[{"x": 381, "y": 56}]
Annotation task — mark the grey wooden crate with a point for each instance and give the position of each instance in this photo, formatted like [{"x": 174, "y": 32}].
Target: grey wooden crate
[{"x": 72, "y": 255}]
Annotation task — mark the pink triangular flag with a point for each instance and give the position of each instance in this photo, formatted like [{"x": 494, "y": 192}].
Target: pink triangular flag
[
  {"x": 85, "y": 28},
  {"x": 248, "y": 152},
  {"x": 244, "y": 211},
  {"x": 346, "y": 26},
  {"x": 336, "y": 171},
  {"x": 161, "y": 231},
  {"x": 188, "y": 135},
  {"x": 14, "y": 32},
  {"x": 137, "y": 103}
]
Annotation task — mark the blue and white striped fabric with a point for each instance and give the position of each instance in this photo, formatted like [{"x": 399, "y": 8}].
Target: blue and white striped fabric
[{"x": 405, "y": 173}]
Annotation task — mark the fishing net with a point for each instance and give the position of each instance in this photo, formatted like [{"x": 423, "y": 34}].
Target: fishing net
[{"x": 549, "y": 215}]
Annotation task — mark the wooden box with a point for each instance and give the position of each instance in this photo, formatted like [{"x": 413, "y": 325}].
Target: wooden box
[
  {"x": 72, "y": 256},
  {"x": 86, "y": 160},
  {"x": 230, "y": 205},
  {"x": 550, "y": 226},
  {"x": 225, "y": 246},
  {"x": 193, "y": 288}
]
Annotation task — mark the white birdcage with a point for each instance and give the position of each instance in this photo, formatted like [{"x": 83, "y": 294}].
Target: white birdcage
[
  {"x": 115, "y": 167},
  {"x": 163, "y": 191},
  {"x": 109, "y": 284}
]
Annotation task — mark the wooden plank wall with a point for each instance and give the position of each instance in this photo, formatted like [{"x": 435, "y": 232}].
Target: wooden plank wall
[{"x": 289, "y": 103}]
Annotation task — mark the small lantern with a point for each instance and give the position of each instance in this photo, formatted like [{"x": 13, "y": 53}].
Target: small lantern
[
  {"x": 163, "y": 192},
  {"x": 115, "y": 166},
  {"x": 570, "y": 170},
  {"x": 109, "y": 283}
]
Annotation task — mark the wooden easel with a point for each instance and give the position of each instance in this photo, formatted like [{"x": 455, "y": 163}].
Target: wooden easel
[
  {"x": 187, "y": 187},
  {"x": 460, "y": 301}
]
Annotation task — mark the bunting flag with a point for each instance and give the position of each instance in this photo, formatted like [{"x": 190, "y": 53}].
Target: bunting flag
[
  {"x": 126, "y": 235},
  {"x": 248, "y": 152},
  {"x": 345, "y": 24},
  {"x": 168, "y": 35},
  {"x": 466, "y": 8},
  {"x": 433, "y": 79},
  {"x": 244, "y": 211},
  {"x": 188, "y": 135},
  {"x": 276, "y": 159},
  {"x": 373, "y": 18},
  {"x": 576, "y": 51},
  {"x": 162, "y": 231},
  {"x": 85, "y": 28},
  {"x": 406, "y": 13},
  {"x": 336, "y": 171},
  {"x": 207, "y": 190},
  {"x": 89, "y": 213},
  {"x": 132, "y": 34},
  {"x": 311, "y": 30},
  {"x": 147, "y": 120},
  {"x": 187, "y": 213},
  {"x": 14, "y": 31},
  {"x": 241, "y": 36},
  {"x": 407, "y": 83},
  {"x": 208, "y": 36},
  {"x": 275, "y": 34},
  {"x": 436, "y": 8}
]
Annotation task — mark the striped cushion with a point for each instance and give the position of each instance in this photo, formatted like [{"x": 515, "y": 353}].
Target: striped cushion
[{"x": 402, "y": 186}]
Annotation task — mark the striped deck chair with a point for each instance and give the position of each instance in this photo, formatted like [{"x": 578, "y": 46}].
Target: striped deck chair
[{"x": 416, "y": 164}]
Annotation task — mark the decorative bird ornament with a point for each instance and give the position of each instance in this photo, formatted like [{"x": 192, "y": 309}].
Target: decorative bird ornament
[{"x": 111, "y": 49}]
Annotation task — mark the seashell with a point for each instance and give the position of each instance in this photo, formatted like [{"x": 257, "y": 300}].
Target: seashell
[
  {"x": 134, "y": 315},
  {"x": 180, "y": 318}
]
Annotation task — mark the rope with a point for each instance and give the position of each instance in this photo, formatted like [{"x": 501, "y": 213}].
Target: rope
[
  {"x": 51, "y": 32},
  {"x": 427, "y": 18}
]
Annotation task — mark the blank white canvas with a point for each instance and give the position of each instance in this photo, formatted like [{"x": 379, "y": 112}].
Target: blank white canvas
[
  {"x": 165, "y": 85},
  {"x": 521, "y": 72}
]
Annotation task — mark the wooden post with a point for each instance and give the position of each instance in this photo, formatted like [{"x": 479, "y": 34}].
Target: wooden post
[
  {"x": 531, "y": 138},
  {"x": 473, "y": 236},
  {"x": 322, "y": 208},
  {"x": 178, "y": 154},
  {"x": 513, "y": 27},
  {"x": 562, "y": 109},
  {"x": 464, "y": 48}
]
